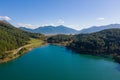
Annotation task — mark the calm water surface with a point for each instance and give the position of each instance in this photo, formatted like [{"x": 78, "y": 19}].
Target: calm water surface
[{"x": 57, "y": 63}]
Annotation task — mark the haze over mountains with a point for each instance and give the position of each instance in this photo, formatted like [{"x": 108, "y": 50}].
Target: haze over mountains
[
  {"x": 52, "y": 30},
  {"x": 99, "y": 28},
  {"x": 66, "y": 30}
]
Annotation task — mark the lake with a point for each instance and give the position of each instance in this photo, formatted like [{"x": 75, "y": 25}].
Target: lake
[{"x": 52, "y": 62}]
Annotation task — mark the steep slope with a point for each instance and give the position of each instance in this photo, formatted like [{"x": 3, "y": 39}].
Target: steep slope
[{"x": 12, "y": 37}]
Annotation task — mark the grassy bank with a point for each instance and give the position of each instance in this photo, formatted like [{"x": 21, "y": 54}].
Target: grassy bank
[{"x": 22, "y": 50}]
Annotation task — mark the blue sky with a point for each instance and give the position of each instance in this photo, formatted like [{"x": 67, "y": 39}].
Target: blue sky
[{"x": 77, "y": 14}]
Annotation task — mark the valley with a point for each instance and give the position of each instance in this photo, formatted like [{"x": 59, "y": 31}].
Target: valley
[{"x": 60, "y": 40}]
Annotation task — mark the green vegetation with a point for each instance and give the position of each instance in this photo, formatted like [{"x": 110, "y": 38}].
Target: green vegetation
[
  {"x": 12, "y": 38},
  {"x": 36, "y": 42},
  {"x": 60, "y": 39},
  {"x": 9, "y": 55},
  {"x": 32, "y": 44},
  {"x": 106, "y": 42},
  {"x": 103, "y": 42},
  {"x": 14, "y": 42}
]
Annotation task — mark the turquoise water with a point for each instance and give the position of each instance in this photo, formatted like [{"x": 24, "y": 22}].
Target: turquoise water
[{"x": 57, "y": 63}]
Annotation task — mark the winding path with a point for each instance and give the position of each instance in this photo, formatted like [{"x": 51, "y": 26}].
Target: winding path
[{"x": 16, "y": 51}]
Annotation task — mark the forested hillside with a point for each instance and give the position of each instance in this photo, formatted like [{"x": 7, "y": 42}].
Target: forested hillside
[
  {"x": 59, "y": 38},
  {"x": 106, "y": 42},
  {"x": 12, "y": 37}
]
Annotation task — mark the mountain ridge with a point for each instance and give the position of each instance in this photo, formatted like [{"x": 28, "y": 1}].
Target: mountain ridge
[
  {"x": 52, "y": 30},
  {"x": 99, "y": 28},
  {"x": 66, "y": 30}
]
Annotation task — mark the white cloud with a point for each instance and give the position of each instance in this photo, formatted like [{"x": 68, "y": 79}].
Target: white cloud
[
  {"x": 34, "y": 26},
  {"x": 51, "y": 24},
  {"x": 101, "y": 19},
  {"x": 5, "y": 18},
  {"x": 57, "y": 23},
  {"x": 60, "y": 22},
  {"x": 27, "y": 25}
]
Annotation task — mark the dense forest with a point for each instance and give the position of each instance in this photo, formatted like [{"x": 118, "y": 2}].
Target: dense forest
[
  {"x": 105, "y": 42},
  {"x": 12, "y": 37},
  {"x": 59, "y": 38}
]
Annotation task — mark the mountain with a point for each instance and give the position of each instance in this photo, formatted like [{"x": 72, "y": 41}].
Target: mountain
[
  {"x": 26, "y": 29},
  {"x": 99, "y": 28},
  {"x": 51, "y": 30}
]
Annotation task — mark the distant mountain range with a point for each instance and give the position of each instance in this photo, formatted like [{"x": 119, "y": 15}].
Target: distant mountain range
[
  {"x": 99, "y": 28},
  {"x": 52, "y": 30}
]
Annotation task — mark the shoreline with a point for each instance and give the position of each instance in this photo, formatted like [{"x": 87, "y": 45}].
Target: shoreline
[
  {"x": 26, "y": 49},
  {"x": 21, "y": 51},
  {"x": 111, "y": 56},
  {"x": 114, "y": 57}
]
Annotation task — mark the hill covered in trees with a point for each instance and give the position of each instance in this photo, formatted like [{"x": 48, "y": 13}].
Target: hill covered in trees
[
  {"x": 105, "y": 42},
  {"x": 12, "y": 37}
]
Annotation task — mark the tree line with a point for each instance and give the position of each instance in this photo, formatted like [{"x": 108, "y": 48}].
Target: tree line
[{"x": 105, "y": 42}]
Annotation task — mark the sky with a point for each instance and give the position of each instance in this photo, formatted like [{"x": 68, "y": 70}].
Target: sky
[{"x": 76, "y": 14}]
